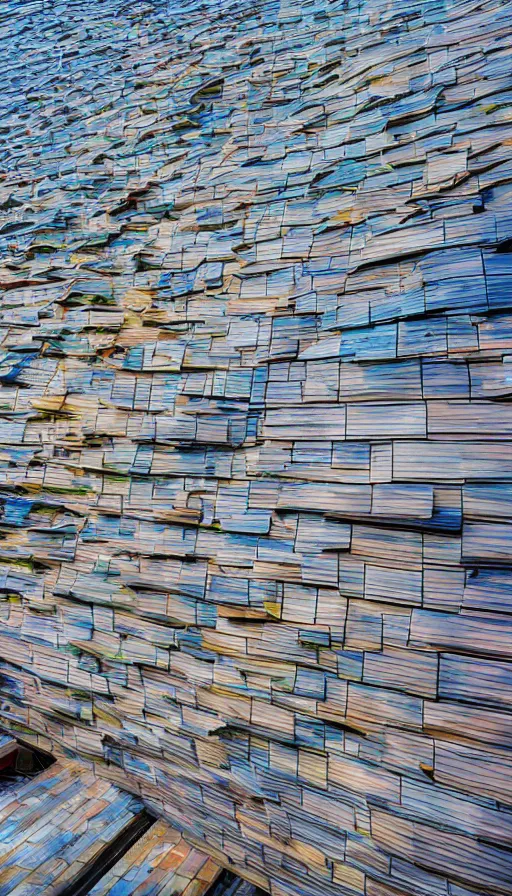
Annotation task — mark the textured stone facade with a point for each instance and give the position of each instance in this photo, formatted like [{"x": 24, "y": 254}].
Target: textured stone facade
[{"x": 256, "y": 430}]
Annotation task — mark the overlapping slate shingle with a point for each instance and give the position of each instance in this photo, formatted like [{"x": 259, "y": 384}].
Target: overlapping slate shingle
[
  {"x": 53, "y": 826},
  {"x": 255, "y": 437}
]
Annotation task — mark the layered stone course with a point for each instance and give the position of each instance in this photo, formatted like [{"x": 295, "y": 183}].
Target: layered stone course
[{"x": 255, "y": 425}]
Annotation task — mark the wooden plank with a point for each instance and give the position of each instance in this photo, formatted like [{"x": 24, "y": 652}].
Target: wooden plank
[
  {"x": 469, "y": 419},
  {"x": 474, "y": 770},
  {"x": 380, "y": 421},
  {"x": 488, "y": 634},
  {"x": 416, "y": 673},
  {"x": 490, "y": 543},
  {"x": 480, "y": 681},
  {"x": 448, "y": 461},
  {"x": 380, "y": 382},
  {"x": 468, "y": 722}
]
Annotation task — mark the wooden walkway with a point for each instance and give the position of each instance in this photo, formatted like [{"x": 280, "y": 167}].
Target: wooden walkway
[
  {"x": 55, "y": 827},
  {"x": 159, "y": 864}
]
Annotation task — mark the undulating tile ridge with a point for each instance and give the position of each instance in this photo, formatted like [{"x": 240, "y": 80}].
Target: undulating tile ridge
[{"x": 256, "y": 430}]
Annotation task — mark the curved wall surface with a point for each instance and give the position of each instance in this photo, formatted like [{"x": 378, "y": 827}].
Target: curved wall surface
[{"x": 255, "y": 425}]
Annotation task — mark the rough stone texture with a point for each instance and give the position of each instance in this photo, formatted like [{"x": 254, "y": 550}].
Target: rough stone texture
[{"x": 256, "y": 438}]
